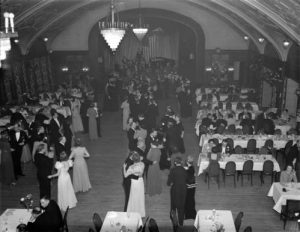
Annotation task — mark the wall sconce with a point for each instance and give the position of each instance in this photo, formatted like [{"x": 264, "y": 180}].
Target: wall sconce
[
  {"x": 246, "y": 37},
  {"x": 285, "y": 43},
  {"x": 65, "y": 69},
  {"x": 85, "y": 69},
  {"x": 191, "y": 56},
  {"x": 208, "y": 69},
  {"x": 261, "y": 40},
  {"x": 230, "y": 69},
  {"x": 45, "y": 39},
  {"x": 16, "y": 41}
]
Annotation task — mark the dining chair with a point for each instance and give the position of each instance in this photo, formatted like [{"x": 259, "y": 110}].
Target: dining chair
[
  {"x": 247, "y": 171},
  {"x": 230, "y": 170},
  {"x": 238, "y": 221},
  {"x": 251, "y": 146},
  {"x": 248, "y": 106},
  {"x": 228, "y": 106},
  {"x": 268, "y": 170},
  {"x": 248, "y": 229},
  {"x": 291, "y": 211},
  {"x": 230, "y": 143},
  {"x": 97, "y": 222},
  {"x": 213, "y": 171},
  {"x": 238, "y": 150},
  {"x": 231, "y": 129},
  {"x": 152, "y": 226}
]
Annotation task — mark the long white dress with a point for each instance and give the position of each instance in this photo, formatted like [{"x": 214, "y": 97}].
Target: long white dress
[
  {"x": 65, "y": 192},
  {"x": 76, "y": 118},
  {"x": 81, "y": 180},
  {"x": 136, "y": 202}
]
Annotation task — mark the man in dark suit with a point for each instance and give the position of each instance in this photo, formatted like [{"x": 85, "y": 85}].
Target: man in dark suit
[
  {"x": 259, "y": 122},
  {"x": 177, "y": 180},
  {"x": 268, "y": 126},
  {"x": 17, "y": 139},
  {"x": 55, "y": 127},
  {"x": 83, "y": 110},
  {"x": 44, "y": 165},
  {"x": 48, "y": 221},
  {"x": 60, "y": 147},
  {"x": 127, "y": 180}
]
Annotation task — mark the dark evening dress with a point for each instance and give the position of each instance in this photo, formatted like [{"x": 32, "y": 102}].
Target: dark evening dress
[{"x": 190, "y": 211}]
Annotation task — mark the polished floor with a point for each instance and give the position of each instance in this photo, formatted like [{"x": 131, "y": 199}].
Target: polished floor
[{"x": 105, "y": 164}]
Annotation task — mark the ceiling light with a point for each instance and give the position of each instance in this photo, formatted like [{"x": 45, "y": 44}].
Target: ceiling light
[
  {"x": 246, "y": 37},
  {"x": 285, "y": 43},
  {"x": 261, "y": 40},
  {"x": 45, "y": 39},
  {"x": 140, "y": 30}
]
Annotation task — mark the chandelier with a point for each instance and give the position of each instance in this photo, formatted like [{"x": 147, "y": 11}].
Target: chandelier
[
  {"x": 141, "y": 30},
  {"x": 113, "y": 31},
  {"x": 5, "y": 36}
]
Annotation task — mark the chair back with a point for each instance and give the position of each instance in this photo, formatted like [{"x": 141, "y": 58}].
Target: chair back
[
  {"x": 65, "y": 223},
  {"x": 281, "y": 159},
  {"x": 268, "y": 167},
  {"x": 251, "y": 146},
  {"x": 97, "y": 222},
  {"x": 277, "y": 132},
  {"x": 263, "y": 151},
  {"x": 238, "y": 131},
  {"x": 220, "y": 129},
  {"x": 238, "y": 149},
  {"x": 238, "y": 221},
  {"x": 230, "y": 143},
  {"x": 239, "y": 106},
  {"x": 248, "y": 167},
  {"x": 248, "y": 229},
  {"x": 287, "y": 147},
  {"x": 214, "y": 168},
  {"x": 248, "y": 106},
  {"x": 152, "y": 226},
  {"x": 230, "y": 168},
  {"x": 269, "y": 143},
  {"x": 228, "y": 106},
  {"x": 231, "y": 129}
]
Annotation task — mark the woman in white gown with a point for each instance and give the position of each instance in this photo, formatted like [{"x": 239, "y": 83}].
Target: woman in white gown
[
  {"x": 136, "y": 202},
  {"x": 76, "y": 118},
  {"x": 81, "y": 180},
  {"x": 65, "y": 192}
]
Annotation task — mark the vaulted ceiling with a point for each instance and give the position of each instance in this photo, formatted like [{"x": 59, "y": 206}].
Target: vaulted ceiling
[{"x": 275, "y": 20}]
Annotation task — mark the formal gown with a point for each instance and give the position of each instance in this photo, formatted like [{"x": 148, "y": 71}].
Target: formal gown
[
  {"x": 81, "y": 180},
  {"x": 126, "y": 112},
  {"x": 6, "y": 165},
  {"x": 65, "y": 191},
  {"x": 92, "y": 114},
  {"x": 76, "y": 118},
  {"x": 190, "y": 211},
  {"x": 26, "y": 154},
  {"x": 136, "y": 202},
  {"x": 154, "y": 182}
]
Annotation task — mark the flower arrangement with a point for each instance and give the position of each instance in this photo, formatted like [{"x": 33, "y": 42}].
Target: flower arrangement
[
  {"x": 27, "y": 201},
  {"x": 218, "y": 227}
]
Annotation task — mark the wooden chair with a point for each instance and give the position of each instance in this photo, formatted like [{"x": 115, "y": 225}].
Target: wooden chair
[
  {"x": 238, "y": 150},
  {"x": 213, "y": 171},
  {"x": 238, "y": 221},
  {"x": 152, "y": 226},
  {"x": 247, "y": 170},
  {"x": 291, "y": 211},
  {"x": 251, "y": 146},
  {"x": 230, "y": 170},
  {"x": 268, "y": 170},
  {"x": 97, "y": 222},
  {"x": 248, "y": 229},
  {"x": 64, "y": 227}
]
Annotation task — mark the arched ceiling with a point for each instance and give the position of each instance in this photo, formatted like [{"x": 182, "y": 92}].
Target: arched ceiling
[{"x": 275, "y": 20}]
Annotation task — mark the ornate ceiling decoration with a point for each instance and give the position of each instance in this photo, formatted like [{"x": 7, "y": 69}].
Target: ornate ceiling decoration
[{"x": 276, "y": 20}]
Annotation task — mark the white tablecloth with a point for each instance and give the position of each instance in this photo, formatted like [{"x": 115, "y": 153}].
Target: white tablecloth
[
  {"x": 242, "y": 140},
  {"x": 113, "y": 221},
  {"x": 11, "y": 218},
  {"x": 239, "y": 159},
  {"x": 205, "y": 223},
  {"x": 280, "y": 197},
  {"x": 4, "y": 120},
  {"x": 253, "y": 104}
]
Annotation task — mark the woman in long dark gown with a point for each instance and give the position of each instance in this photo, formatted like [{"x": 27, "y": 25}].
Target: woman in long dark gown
[
  {"x": 6, "y": 164},
  {"x": 190, "y": 211}
]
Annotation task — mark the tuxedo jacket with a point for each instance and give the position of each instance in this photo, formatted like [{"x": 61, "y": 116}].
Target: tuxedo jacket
[
  {"x": 14, "y": 143},
  {"x": 49, "y": 221}
]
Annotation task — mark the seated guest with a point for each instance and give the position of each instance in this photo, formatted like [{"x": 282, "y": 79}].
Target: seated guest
[
  {"x": 207, "y": 121},
  {"x": 50, "y": 220},
  {"x": 221, "y": 121},
  {"x": 247, "y": 124},
  {"x": 222, "y": 148},
  {"x": 244, "y": 114},
  {"x": 269, "y": 126},
  {"x": 288, "y": 175}
]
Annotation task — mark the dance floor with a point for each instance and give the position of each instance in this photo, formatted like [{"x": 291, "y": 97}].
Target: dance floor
[{"x": 105, "y": 168}]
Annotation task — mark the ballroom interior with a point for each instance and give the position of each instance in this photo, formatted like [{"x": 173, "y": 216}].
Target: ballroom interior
[{"x": 253, "y": 44}]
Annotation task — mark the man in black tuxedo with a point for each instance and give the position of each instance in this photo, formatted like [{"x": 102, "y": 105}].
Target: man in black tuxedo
[
  {"x": 259, "y": 122},
  {"x": 17, "y": 139},
  {"x": 127, "y": 180},
  {"x": 177, "y": 180},
  {"x": 60, "y": 147},
  {"x": 48, "y": 221},
  {"x": 55, "y": 127},
  {"x": 44, "y": 165}
]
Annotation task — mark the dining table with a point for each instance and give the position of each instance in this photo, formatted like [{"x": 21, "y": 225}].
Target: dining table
[
  {"x": 121, "y": 221},
  {"x": 283, "y": 192},
  {"x": 239, "y": 159},
  {"x": 212, "y": 220},
  {"x": 11, "y": 218}
]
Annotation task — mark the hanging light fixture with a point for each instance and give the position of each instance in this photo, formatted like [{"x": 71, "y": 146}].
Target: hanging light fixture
[
  {"x": 5, "y": 36},
  {"x": 113, "y": 31},
  {"x": 141, "y": 30}
]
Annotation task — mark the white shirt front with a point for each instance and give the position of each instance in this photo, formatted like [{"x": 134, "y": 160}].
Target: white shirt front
[{"x": 17, "y": 135}]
